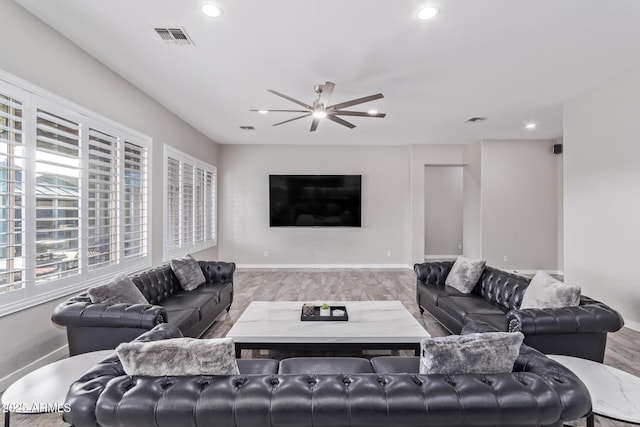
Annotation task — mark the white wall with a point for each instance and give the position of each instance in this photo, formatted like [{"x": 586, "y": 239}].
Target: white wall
[
  {"x": 560, "y": 186},
  {"x": 443, "y": 204},
  {"x": 34, "y": 52},
  {"x": 472, "y": 201},
  {"x": 519, "y": 204},
  {"x": 602, "y": 194},
  {"x": 244, "y": 206}
]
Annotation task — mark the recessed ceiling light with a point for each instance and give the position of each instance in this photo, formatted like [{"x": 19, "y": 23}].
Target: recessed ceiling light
[
  {"x": 530, "y": 126},
  {"x": 427, "y": 12},
  {"x": 211, "y": 10},
  {"x": 263, "y": 111},
  {"x": 319, "y": 114},
  {"x": 372, "y": 112}
]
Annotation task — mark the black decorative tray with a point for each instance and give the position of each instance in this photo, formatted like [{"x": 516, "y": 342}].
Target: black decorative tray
[{"x": 316, "y": 315}]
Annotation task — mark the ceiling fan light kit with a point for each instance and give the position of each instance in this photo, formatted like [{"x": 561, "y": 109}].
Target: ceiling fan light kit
[{"x": 320, "y": 109}]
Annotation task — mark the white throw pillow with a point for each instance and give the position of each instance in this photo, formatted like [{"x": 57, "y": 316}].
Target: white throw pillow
[
  {"x": 545, "y": 291},
  {"x": 119, "y": 290},
  {"x": 188, "y": 272},
  {"x": 465, "y": 273}
]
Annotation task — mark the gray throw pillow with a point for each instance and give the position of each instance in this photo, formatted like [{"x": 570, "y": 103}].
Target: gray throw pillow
[
  {"x": 179, "y": 357},
  {"x": 480, "y": 353},
  {"x": 465, "y": 273},
  {"x": 119, "y": 290},
  {"x": 188, "y": 272},
  {"x": 544, "y": 291}
]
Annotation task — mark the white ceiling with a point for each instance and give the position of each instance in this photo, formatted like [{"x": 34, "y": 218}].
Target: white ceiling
[{"x": 513, "y": 61}]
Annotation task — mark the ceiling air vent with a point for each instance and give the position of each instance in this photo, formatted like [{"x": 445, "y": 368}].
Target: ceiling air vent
[
  {"x": 174, "y": 35},
  {"x": 247, "y": 128},
  {"x": 476, "y": 120}
]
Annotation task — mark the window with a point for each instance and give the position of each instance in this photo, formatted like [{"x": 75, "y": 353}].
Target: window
[
  {"x": 73, "y": 197},
  {"x": 190, "y": 219}
]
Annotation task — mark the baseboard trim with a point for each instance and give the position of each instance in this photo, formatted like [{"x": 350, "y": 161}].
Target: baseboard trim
[
  {"x": 632, "y": 325},
  {"x": 326, "y": 266},
  {"x": 447, "y": 257},
  {"x": 518, "y": 271},
  {"x": 54, "y": 356}
]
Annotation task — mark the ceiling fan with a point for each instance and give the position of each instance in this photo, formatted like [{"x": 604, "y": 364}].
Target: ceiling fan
[{"x": 321, "y": 108}]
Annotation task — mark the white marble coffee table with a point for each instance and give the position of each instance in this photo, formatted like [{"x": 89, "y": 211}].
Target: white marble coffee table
[
  {"x": 378, "y": 325},
  {"x": 615, "y": 394},
  {"x": 45, "y": 389}
]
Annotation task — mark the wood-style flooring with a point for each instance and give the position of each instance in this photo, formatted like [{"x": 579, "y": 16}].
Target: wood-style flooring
[{"x": 623, "y": 347}]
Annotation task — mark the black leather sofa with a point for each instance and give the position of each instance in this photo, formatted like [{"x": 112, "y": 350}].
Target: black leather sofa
[
  {"x": 92, "y": 327},
  {"x": 574, "y": 331},
  {"x": 329, "y": 392}
]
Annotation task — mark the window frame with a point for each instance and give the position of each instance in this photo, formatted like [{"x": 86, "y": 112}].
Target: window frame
[
  {"x": 195, "y": 245},
  {"x": 34, "y": 98}
]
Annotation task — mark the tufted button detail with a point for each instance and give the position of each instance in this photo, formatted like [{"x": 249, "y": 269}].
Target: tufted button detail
[
  {"x": 346, "y": 380},
  {"x": 275, "y": 381},
  {"x": 166, "y": 385},
  {"x": 382, "y": 381},
  {"x": 239, "y": 382}
]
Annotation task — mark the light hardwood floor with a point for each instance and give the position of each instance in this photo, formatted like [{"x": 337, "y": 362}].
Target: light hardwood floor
[{"x": 623, "y": 347}]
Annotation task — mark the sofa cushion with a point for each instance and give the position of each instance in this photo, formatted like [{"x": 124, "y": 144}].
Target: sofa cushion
[
  {"x": 396, "y": 364},
  {"x": 465, "y": 273},
  {"x": 205, "y": 303},
  {"x": 183, "y": 318},
  {"x": 325, "y": 365},
  {"x": 179, "y": 356},
  {"x": 188, "y": 272},
  {"x": 119, "y": 290},
  {"x": 481, "y": 353},
  {"x": 545, "y": 291},
  {"x": 498, "y": 321},
  {"x": 432, "y": 293},
  {"x": 459, "y": 306},
  {"x": 257, "y": 366}
]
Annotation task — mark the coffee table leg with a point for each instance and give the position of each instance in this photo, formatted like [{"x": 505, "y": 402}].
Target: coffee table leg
[
  {"x": 6, "y": 419},
  {"x": 238, "y": 351},
  {"x": 416, "y": 350},
  {"x": 591, "y": 420}
]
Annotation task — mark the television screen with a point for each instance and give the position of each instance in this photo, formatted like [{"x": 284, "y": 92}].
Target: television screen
[{"x": 314, "y": 200}]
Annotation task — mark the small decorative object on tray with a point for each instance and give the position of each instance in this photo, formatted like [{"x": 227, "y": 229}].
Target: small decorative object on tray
[
  {"x": 334, "y": 312},
  {"x": 307, "y": 309},
  {"x": 325, "y": 310}
]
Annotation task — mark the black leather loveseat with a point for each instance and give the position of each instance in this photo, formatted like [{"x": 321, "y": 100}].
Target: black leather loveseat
[
  {"x": 329, "y": 392},
  {"x": 92, "y": 327},
  {"x": 575, "y": 331}
]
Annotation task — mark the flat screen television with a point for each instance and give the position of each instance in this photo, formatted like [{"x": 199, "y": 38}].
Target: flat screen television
[{"x": 315, "y": 200}]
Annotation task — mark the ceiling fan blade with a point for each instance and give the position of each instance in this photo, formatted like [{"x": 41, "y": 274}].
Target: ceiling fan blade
[
  {"x": 282, "y": 111},
  {"x": 308, "y": 107},
  {"x": 357, "y": 113},
  {"x": 314, "y": 124},
  {"x": 341, "y": 121},
  {"x": 295, "y": 118},
  {"x": 356, "y": 101},
  {"x": 327, "y": 91}
]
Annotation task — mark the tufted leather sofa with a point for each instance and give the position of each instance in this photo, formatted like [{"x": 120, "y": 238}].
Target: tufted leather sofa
[
  {"x": 326, "y": 392},
  {"x": 92, "y": 327},
  {"x": 574, "y": 331}
]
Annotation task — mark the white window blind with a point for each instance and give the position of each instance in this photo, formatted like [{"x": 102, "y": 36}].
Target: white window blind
[
  {"x": 190, "y": 218},
  {"x": 74, "y": 199},
  {"x": 12, "y": 212},
  {"x": 57, "y": 195}
]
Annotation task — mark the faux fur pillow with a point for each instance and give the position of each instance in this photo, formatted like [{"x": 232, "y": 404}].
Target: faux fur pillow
[
  {"x": 179, "y": 357},
  {"x": 188, "y": 272},
  {"x": 465, "y": 273},
  {"x": 545, "y": 291},
  {"x": 480, "y": 353},
  {"x": 119, "y": 290}
]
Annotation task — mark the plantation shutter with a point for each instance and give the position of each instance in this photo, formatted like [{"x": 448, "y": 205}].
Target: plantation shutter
[
  {"x": 12, "y": 200},
  {"x": 57, "y": 196},
  {"x": 188, "y": 217},
  {"x": 173, "y": 204},
  {"x": 135, "y": 196},
  {"x": 210, "y": 206},
  {"x": 199, "y": 206}
]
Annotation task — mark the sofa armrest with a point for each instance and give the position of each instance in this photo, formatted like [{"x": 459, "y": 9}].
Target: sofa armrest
[
  {"x": 84, "y": 393},
  {"x": 79, "y": 311},
  {"x": 432, "y": 273},
  {"x": 589, "y": 316},
  {"x": 218, "y": 271}
]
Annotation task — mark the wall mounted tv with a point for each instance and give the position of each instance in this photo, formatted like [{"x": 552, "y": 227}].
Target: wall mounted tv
[{"x": 315, "y": 200}]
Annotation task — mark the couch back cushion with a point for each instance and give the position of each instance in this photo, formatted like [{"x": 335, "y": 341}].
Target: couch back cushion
[
  {"x": 157, "y": 284},
  {"x": 501, "y": 287}
]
